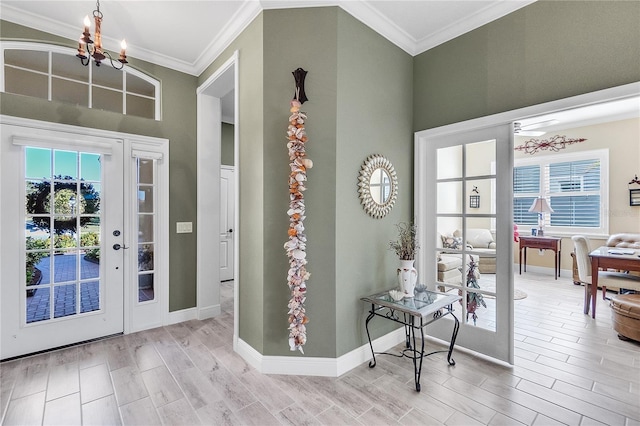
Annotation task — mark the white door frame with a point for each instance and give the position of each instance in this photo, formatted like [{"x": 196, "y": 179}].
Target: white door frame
[
  {"x": 508, "y": 117},
  {"x": 209, "y": 119},
  {"x": 162, "y": 255}
]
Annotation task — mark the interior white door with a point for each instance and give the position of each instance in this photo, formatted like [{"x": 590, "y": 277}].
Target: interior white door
[
  {"x": 62, "y": 222},
  {"x": 227, "y": 196},
  {"x": 463, "y": 203}
]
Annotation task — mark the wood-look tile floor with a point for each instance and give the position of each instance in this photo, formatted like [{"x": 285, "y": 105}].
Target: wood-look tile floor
[{"x": 569, "y": 369}]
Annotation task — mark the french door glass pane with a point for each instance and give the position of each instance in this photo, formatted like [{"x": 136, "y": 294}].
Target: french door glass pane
[
  {"x": 89, "y": 296},
  {"x": 38, "y": 163},
  {"x": 64, "y": 300},
  {"x": 449, "y": 197},
  {"x": 38, "y": 304},
  {"x": 62, "y": 233},
  {"x": 449, "y": 162}
]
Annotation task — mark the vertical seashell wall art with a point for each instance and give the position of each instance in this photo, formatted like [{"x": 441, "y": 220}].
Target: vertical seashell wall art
[{"x": 296, "y": 245}]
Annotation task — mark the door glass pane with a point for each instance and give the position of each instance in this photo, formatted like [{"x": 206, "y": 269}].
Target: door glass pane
[
  {"x": 65, "y": 164},
  {"x": 89, "y": 296},
  {"x": 62, "y": 237},
  {"x": 145, "y": 171},
  {"x": 146, "y": 219},
  {"x": 449, "y": 162},
  {"x": 38, "y": 162},
  {"x": 64, "y": 300},
  {"x": 481, "y": 196},
  {"x": 65, "y": 266},
  {"x": 37, "y": 264},
  {"x": 91, "y": 193},
  {"x": 38, "y": 303},
  {"x": 481, "y": 158},
  {"x": 145, "y": 257},
  {"x": 145, "y": 287},
  {"x": 145, "y": 199},
  {"x": 449, "y": 198},
  {"x": 90, "y": 167}
]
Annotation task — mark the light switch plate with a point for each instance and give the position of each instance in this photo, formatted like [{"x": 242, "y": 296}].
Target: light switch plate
[{"x": 184, "y": 227}]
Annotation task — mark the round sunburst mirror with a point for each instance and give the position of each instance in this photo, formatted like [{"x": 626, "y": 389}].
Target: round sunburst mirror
[{"x": 377, "y": 186}]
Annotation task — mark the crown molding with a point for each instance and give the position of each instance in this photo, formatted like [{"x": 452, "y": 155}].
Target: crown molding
[
  {"x": 236, "y": 25},
  {"x": 494, "y": 11},
  {"x": 360, "y": 10}
]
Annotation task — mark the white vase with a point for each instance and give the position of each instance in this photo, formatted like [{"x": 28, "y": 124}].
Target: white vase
[{"x": 407, "y": 277}]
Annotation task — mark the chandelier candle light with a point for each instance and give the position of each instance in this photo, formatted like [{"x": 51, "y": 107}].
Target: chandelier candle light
[
  {"x": 94, "y": 48},
  {"x": 296, "y": 245}
]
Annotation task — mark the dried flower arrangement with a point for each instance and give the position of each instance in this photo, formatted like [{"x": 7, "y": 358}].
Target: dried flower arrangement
[
  {"x": 406, "y": 246},
  {"x": 296, "y": 245}
]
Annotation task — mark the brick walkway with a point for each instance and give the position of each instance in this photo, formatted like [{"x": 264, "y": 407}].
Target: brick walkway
[{"x": 38, "y": 305}]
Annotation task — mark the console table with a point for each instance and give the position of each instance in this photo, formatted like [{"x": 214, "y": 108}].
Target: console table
[
  {"x": 541, "y": 243},
  {"x": 414, "y": 313}
]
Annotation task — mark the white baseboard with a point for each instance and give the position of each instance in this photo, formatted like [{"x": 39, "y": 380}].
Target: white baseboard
[
  {"x": 317, "y": 366},
  {"x": 209, "y": 312},
  {"x": 181, "y": 315}
]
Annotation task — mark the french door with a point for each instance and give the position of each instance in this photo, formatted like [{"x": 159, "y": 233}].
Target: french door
[
  {"x": 62, "y": 244},
  {"x": 463, "y": 212}
]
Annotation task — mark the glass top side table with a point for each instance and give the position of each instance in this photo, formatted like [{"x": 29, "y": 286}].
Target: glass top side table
[{"x": 414, "y": 313}]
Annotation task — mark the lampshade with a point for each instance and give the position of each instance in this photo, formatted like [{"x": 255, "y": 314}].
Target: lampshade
[{"x": 540, "y": 205}]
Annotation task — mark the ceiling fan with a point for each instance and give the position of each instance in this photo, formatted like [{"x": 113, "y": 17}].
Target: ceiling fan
[{"x": 529, "y": 129}]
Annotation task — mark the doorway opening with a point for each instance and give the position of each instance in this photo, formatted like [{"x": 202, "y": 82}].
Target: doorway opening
[{"x": 217, "y": 101}]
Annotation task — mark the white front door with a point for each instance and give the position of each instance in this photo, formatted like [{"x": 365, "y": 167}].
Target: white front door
[
  {"x": 463, "y": 207},
  {"x": 62, "y": 238},
  {"x": 227, "y": 195}
]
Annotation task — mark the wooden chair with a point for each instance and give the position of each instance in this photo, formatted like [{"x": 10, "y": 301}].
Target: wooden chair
[{"x": 605, "y": 278}]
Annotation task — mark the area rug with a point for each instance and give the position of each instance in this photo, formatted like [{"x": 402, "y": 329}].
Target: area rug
[{"x": 489, "y": 286}]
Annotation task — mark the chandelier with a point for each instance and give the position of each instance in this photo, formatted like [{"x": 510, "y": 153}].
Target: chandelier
[{"x": 94, "y": 47}]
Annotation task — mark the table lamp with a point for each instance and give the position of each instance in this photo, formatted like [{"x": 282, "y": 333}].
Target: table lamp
[{"x": 541, "y": 207}]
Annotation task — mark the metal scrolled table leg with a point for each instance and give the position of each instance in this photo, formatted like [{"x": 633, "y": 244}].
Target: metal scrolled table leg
[
  {"x": 372, "y": 363},
  {"x": 454, "y": 335}
]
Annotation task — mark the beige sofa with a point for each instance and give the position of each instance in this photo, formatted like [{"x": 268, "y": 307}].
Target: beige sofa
[
  {"x": 481, "y": 241},
  {"x": 449, "y": 264}
]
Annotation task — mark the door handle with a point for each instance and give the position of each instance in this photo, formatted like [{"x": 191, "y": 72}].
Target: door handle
[
  {"x": 230, "y": 230},
  {"x": 117, "y": 246}
]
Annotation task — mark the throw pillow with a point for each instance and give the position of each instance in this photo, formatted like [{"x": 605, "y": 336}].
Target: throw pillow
[{"x": 454, "y": 243}]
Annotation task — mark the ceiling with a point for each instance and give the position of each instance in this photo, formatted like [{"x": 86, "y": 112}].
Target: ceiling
[{"x": 188, "y": 35}]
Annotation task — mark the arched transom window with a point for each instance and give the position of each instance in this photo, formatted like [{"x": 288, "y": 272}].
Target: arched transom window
[{"x": 54, "y": 73}]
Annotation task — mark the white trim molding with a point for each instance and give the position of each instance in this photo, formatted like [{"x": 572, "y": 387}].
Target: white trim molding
[{"x": 317, "y": 366}]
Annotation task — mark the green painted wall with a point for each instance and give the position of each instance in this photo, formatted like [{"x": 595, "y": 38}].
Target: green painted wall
[
  {"x": 249, "y": 46},
  {"x": 226, "y": 150},
  {"x": 291, "y": 41},
  {"x": 373, "y": 117},
  {"x": 545, "y": 51},
  {"x": 178, "y": 124}
]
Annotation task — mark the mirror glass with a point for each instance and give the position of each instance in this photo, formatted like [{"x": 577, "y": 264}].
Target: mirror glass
[
  {"x": 380, "y": 186},
  {"x": 377, "y": 186}
]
